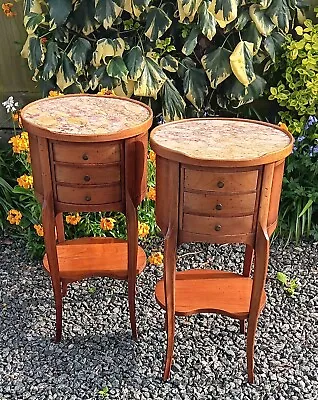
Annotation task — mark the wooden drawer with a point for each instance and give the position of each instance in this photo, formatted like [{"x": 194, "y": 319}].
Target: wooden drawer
[
  {"x": 89, "y": 195},
  {"x": 219, "y": 181},
  {"x": 86, "y": 153},
  {"x": 218, "y": 204},
  {"x": 216, "y": 226},
  {"x": 87, "y": 175}
]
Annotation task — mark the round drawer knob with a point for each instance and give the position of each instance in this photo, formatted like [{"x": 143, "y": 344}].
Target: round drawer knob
[
  {"x": 219, "y": 207},
  {"x": 217, "y": 227},
  {"x": 87, "y": 178},
  {"x": 220, "y": 184},
  {"x": 88, "y": 198},
  {"x": 85, "y": 157}
]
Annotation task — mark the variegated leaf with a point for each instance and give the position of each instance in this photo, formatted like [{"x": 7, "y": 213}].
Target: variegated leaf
[
  {"x": 173, "y": 105},
  {"x": 138, "y": 6},
  {"x": 135, "y": 62},
  {"x": 195, "y": 87},
  {"x": 66, "y": 74},
  {"x": 191, "y": 41},
  {"x": 206, "y": 20},
  {"x": 33, "y": 51},
  {"x": 217, "y": 66},
  {"x": 224, "y": 11},
  {"x": 128, "y": 7},
  {"x": 243, "y": 17},
  {"x": 79, "y": 53},
  {"x": 32, "y": 21},
  {"x": 251, "y": 34},
  {"x": 59, "y": 10},
  {"x": 237, "y": 92},
  {"x": 157, "y": 23},
  {"x": 52, "y": 57},
  {"x": 169, "y": 63},
  {"x": 32, "y": 6},
  {"x": 151, "y": 80},
  {"x": 104, "y": 49},
  {"x": 116, "y": 68},
  {"x": 263, "y": 23},
  {"x": 188, "y": 9},
  {"x": 107, "y": 11},
  {"x": 100, "y": 78},
  {"x": 270, "y": 47},
  {"x": 83, "y": 17},
  {"x": 279, "y": 14},
  {"x": 125, "y": 89},
  {"x": 265, "y": 3},
  {"x": 241, "y": 61}
]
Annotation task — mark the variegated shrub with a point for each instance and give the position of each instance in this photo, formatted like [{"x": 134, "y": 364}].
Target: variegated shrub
[{"x": 185, "y": 57}]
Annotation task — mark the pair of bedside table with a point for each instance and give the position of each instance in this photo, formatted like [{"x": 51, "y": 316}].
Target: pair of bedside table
[{"x": 218, "y": 181}]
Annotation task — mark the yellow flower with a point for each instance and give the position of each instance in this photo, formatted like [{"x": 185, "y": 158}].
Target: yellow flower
[
  {"x": 73, "y": 219},
  {"x": 54, "y": 93},
  {"x": 20, "y": 143},
  {"x": 25, "y": 181},
  {"x": 39, "y": 230},
  {"x": 143, "y": 229},
  {"x": 14, "y": 217},
  {"x": 156, "y": 258},
  {"x": 107, "y": 224},
  {"x": 15, "y": 117},
  {"x": 152, "y": 156},
  {"x": 105, "y": 91},
  {"x": 283, "y": 126},
  {"x": 151, "y": 195}
]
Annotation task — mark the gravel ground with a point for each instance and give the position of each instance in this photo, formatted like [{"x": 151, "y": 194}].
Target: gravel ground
[{"x": 97, "y": 350}]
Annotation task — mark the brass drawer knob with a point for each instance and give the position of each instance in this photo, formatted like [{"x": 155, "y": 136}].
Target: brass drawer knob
[
  {"x": 88, "y": 198},
  {"x": 220, "y": 184},
  {"x": 87, "y": 178},
  {"x": 219, "y": 207},
  {"x": 85, "y": 157},
  {"x": 217, "y": 228}
]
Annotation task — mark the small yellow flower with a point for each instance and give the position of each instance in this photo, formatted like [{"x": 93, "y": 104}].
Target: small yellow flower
[
  {"x": 39, "y": 230},
  {"x": 20, "y": 143},
  {"x": 283, "y": 126},
  {"x": 107, "y": 224},
  {"x": 14, "y": 217},
  {"x": 151, "y": 195},
  {"x": 15, "y": 117},
  {"x": 105, "y": 91},
  {"x": 73, "y": 219},
  {"x": 54, "y": 93},
  {"x": 25, "y": 181},
  {"x": 156, "y": 258},
  {"x": 143, "y": 229},
  {"x": 152, "y": 156}
]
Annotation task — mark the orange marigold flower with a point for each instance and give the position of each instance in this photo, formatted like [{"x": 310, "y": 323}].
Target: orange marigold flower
[
  {"x": 105, "y": 91},
  {"x": 15, "y": 117},
  {"x": 143, "y": 229},
  {"x": 55, "y": 93},
  {"x": 20, "y": 143},
  {"x": 25, "y": 181},
  {"x": 283, "y": 126},
  {"x": 151, "y": 195},
  {"x": 7, "y": 9},
  {"x": 156, "y": 258},
  {"x": 14, "y": 217},
  {"x": 73, "y": 219},
  {"x": 152, "y": 156},
  {"x": 107, "y": 224},
  {"x": 39, "y": 230}
]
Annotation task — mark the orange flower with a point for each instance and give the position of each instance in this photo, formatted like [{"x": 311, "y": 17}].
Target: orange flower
[
  {"x": 283, "y": 126},
  {"x": 105, "y": 91},
  {"x": 15, "y": 117},
  {"x": 151, "y": 195},
  {"x": 156, "y": 258},
  {"x": 7, "y": 9},
  {"x": 20, "y": 143},
  {"x": 25, "y": 181},
  {"x": 39, "y": 230},
  {"x": 152, "y": 156},
  {"x": 107, "y": 224},
  {"x": 143, "y": 229},
  {"x": 14, "y": 217},
  {"x": 73, "y": 219},
  {"x": 54, "y": 93}
]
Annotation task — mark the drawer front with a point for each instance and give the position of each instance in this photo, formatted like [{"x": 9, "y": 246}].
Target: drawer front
[
  {"x": 215, "y": 226},
  {"x": 215, "y": 181},
  {"x": 87, "y": 175},
  {"x": 88, "y": 195},
  {"x": 90, "y": 153},
  {"x": 218, "y": 204}
]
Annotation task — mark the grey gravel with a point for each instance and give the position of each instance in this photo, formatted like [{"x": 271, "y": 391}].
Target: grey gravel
[{"x": 97, "y": 350}]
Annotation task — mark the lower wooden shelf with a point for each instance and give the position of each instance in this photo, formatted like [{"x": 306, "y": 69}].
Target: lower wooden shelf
[
  {"x": 221, "y": 292},
  {"x": 87, "y": 257}
]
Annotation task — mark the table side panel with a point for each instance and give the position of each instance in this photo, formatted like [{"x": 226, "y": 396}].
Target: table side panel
[
  {"x": 275, "y": 196},
  {"x": 36, "y": 167}
]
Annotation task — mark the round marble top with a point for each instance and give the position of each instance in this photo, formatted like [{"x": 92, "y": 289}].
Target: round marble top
[
  {"x": 87, "y": 115},
  {"x": 220, "y": 139}
]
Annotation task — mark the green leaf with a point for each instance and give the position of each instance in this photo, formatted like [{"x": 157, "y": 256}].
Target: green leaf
[
  {"x": 139, "y": 6},
  {"x": 195, "y": 87},
  {"x": 269, "y": 46},
  {"x": 59, "y": 10},
  {"x": 191, "y": 41},
  {"x": 66, "y": 74},
  {"x": 34, "y": 51},
  {"x": 169, "y": 63},
  {"x": 116, "y": 68},
  {"x": 173, "y": 105},
  {"x": 135, "y": 62},
  {"x": 241, "y": 61},
  {"x": 188, "y": 9},
  {"x": 52, "y": 58},
  {"x": 151, "y": 80},
  {"x": 242, "y": 19},
  {"x": 79, "y": 53},
  {"x": 206, "y": 21},
  {"x": 306, "y": 207},
  {"x": 83, "y": 17},
  {"x": 32, "y": 6},
  {"x": 263, "y": 23},
  {"x": 236, "y": 92},
  {"x": 107, "y": 11},
  {"x": 32, "y": 21},
  {"x": 279, "y": 14},
  {"x": 224, "y": 11},
  {"x": 251, "y": 34},
  {"x": 217, "y": 66},
  {"x": 107, "y": 48},
  {"x": 282, "y": 278},
  {"x": 157, "y": 23},
  {"x": 100, "y": 77}
]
